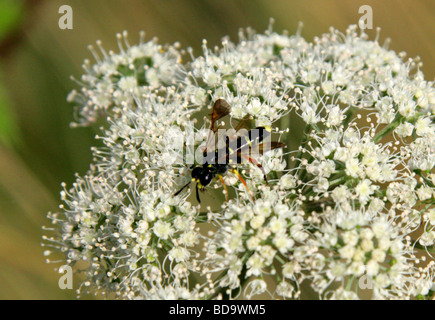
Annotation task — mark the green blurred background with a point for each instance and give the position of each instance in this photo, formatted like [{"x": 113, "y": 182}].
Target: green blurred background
[{"x": 39, "y": 150}]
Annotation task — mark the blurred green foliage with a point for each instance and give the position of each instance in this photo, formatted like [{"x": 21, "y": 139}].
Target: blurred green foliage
[
  {"x": 11, "y": 15},
  {"x": 35, "y": 80},
  {"x": 8, "y": 128}
]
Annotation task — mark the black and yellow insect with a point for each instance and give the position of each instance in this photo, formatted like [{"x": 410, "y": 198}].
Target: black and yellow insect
[{"x": 224, "y": 159}]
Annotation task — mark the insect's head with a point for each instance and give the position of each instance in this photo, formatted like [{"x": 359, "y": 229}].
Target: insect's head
[
  {"x": 196, "y": 173},
  {"x": 202, "y": 175}
]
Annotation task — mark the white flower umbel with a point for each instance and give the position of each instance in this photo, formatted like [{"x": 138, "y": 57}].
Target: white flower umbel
[
  {"x": 358, "y": 246},
  {"x": 349, "y": 214},
  {"x": 116, "y": 77}
]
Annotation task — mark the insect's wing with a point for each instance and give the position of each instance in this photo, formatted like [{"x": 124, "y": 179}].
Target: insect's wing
[
  {"x": 245, "y": 144},
  {"x": 221, "y": 108},
  {"x": 244, "y": 123},
  {"x": 268, "y": 146}
]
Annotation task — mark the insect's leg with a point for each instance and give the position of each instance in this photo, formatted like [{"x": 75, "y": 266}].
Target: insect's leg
[
  {"x": 178, "y": 192},
  {"x": 225, "y": 187},
  {"x": 197, "y": 194},
  {"x": 255, "y": 162},
  {"x": 243, "y": 181}
]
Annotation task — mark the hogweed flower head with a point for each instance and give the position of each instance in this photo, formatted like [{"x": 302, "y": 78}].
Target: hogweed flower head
[{"x": 355, "y": 201}]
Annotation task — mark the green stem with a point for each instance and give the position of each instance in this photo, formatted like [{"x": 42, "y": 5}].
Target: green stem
[
  {"x": 417, "y": 245},
  {"x": 349, "y": 283},
  {"x": 349, "y": 115},
  {"x": 304, "y": 141},
  {"x": 426, "y": 180},
  {"x": 202, "y": 217},
  {"x": 338, "y": 180},
  {"x": 387, "y": 129}
]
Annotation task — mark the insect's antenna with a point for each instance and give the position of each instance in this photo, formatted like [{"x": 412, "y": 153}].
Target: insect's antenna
[
  {"x": 197, "y": 194},
  {"x": 178, "y": 192}
]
